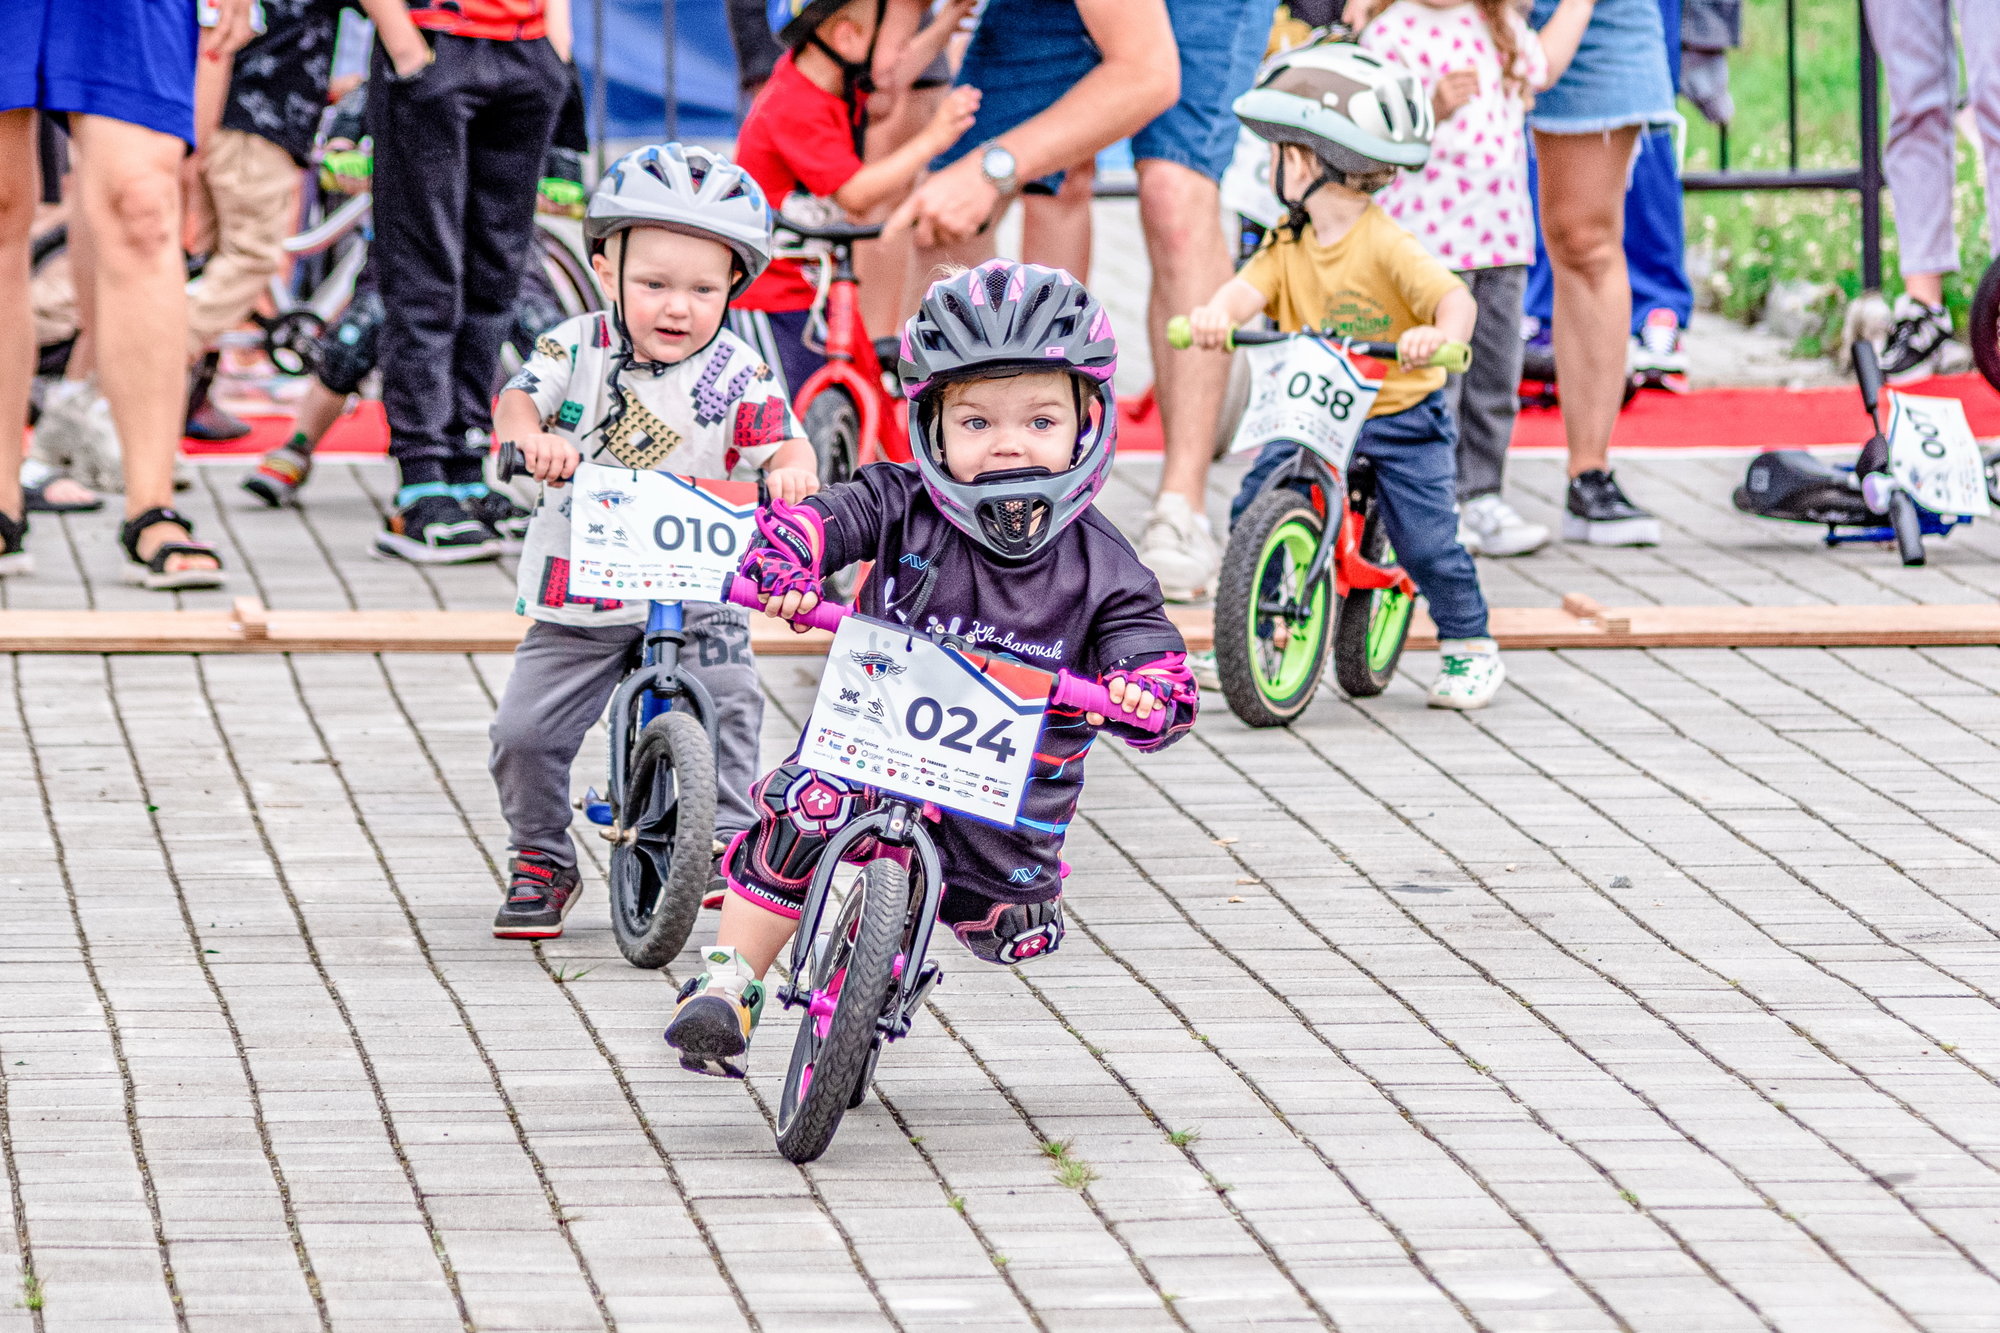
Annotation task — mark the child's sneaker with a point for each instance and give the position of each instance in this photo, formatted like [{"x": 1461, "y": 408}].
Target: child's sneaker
[
  {"x": 1469, "y": 674},
  {"x": 1496, "y": 529},
  {"x": 1597, "y": 511},
  {"x": 1656, "y": 348},
  {"x": 436, "y": 530},
  {"x": 1179, "y": 546},
  {"x": 1920, "y": 345},
  {"x": 718, "y": 1011},
  {"x": 276, "y": 480},
  {"x": 539, "y": 895},
  {"x": 507, "y": 521},
  {"x": 1202, "y": 667}
]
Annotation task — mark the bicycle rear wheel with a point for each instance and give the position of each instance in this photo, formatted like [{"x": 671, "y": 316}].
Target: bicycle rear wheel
[
  {"x": 1371, "y": 624},
  {"x": 1270, "y": 629},
  {"x": 834, "y": 427},
  {"x": 668, "y": 816},
  {"x": 1983, "y": 325},
  {"x": 848, "y": 978}
]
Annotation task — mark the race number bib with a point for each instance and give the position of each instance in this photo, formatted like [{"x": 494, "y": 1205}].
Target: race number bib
[
  {"x": 1932, "y": 453},
  {"x": 654, "y": 536},
  {"x": 1310, "y": 394},
  {"x": 897, "y": 712}
]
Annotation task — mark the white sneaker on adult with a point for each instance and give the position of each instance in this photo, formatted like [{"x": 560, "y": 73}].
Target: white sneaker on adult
[
  {"x": 76, "y": 435},
  {"x": 1496, "y": 529},
  {"x": 1179, "y": 546},
  {"x": 1469, "y": 674},
  {"x": 1201, "y": 665}
]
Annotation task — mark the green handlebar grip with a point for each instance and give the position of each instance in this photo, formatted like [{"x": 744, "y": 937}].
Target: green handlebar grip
[
  {"x": 1179, "y": 336},
  {"x": 1454, "y": 357}
]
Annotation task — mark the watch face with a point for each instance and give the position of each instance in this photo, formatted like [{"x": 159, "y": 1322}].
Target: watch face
[{"x": 997, "y": 163}]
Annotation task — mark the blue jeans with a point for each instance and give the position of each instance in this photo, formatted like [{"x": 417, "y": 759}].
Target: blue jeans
[{"x": 1415, "y": 453}]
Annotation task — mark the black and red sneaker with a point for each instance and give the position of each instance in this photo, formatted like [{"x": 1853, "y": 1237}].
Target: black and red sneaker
[{"x": 539, "y": 895}]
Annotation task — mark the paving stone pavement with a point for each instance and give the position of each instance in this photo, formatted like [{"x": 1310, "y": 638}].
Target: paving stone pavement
[{"x": 1660, "y": 996}]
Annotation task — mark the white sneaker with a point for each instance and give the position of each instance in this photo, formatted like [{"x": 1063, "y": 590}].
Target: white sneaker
[
  {"x": 1179, "y": 546},
  {"x": 1201, "y": 665},
  {"x": 1469, "y": 674},
  {"x": 1920, "y": 345},
  {"x": 1656, "y": 351},
  {"x": 76, "y": 435},
  {"x": 1496, "y": 529}
]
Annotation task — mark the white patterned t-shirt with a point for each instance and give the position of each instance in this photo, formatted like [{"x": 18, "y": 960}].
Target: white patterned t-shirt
[
  {"x": 720, "y": 413},
  {"x": 1469, "y": 203}
]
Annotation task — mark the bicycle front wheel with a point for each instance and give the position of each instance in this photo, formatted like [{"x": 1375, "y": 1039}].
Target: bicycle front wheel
[
  {"x": 847, "y": 982},
  {"x": 667, "y": 816},
  {"x": 1270, "y": 628}
]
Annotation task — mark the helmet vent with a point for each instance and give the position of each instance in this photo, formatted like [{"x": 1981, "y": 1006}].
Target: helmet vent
[
  {"x": 996, "y": 285},
  {"x": 959, "y": 310},
  {"x": 697, "y": 169},
  {"x": 1036, "y": 302}
]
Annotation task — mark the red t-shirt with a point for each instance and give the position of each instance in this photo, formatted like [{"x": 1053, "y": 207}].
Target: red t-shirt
[
  {"x": 797, "y": 136},
  {"x": 495, "y": 20}
]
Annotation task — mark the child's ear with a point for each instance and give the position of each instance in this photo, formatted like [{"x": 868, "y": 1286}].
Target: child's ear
[{"x": 600, "y": 264}]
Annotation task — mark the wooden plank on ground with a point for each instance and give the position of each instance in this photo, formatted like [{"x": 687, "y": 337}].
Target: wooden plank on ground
[{"x": 248, "y": 627}]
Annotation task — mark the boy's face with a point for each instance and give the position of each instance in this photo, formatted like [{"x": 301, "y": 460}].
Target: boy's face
[
  {"x": 997, "y": 425},
  {"x": 676, "y": 290}
]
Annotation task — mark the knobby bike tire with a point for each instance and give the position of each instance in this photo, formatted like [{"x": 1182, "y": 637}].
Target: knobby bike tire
[
  {"x": 1268, "y": 682},
  {"x": 1909, "y": 528},
  {"x": 1371, "y": 624},
  {"x": 833, "y": 424},
  {"x": 668, "y": 810},
  {"x": 863, "y": 943},
  {"x": 1983, "y": 325}
]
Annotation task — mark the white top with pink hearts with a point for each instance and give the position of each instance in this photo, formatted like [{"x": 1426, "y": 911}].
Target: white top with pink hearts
[{"x": 1469, "y": 204}]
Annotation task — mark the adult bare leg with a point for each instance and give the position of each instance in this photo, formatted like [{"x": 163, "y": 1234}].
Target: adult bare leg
[
  {"x": 1180, "y": 211},
  {"x": 18, "y": 178},
  {"x": 129, "y": 188},
  {"x": 1583, "y": 225},
  {"x": 1055, "y": 229}
]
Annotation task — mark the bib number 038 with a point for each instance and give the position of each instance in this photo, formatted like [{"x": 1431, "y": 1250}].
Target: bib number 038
[{"x": 1306, "y": 391}]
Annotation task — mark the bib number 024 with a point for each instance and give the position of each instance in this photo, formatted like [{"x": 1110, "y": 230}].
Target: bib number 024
[{"x": 926, "y": 718}]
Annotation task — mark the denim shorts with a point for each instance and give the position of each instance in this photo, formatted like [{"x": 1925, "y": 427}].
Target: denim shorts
[
  {"x": 129, "y": 60},
  {"x": 1028, "y": 53},
  {"x": 1618, "y": 78}
]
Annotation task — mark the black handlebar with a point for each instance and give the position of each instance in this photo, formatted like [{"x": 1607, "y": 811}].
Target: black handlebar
[
  {"x": 838, "y": 232},
  {"x": 507, "y": 461},
  {"x": 1868, "y": 370}
]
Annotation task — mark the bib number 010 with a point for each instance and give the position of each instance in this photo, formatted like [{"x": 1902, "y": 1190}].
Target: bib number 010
[{"x": 672, "y": 532}]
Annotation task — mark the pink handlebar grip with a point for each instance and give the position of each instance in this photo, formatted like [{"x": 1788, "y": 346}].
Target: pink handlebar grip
[
  {"x": 827, "y": 615},
  {"x": 1088, "y": 695}
]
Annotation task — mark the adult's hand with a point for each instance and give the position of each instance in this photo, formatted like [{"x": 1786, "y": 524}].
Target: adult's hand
[
  {"x": 231, "y": 31},
  {"x": 952, "y": 206},
  {"x": 1454, "y": 90}
]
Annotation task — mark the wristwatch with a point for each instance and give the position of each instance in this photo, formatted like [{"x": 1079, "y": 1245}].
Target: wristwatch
[{"x": 996, "y": 164}]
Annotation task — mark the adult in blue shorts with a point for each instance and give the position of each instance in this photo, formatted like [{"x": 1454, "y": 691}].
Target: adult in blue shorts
[
  {"x": 1062, "y": 79},
  {"x": 123, "y": 72}
]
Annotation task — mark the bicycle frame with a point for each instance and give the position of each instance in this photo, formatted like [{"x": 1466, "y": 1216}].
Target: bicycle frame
[
  {"x": 1340, "y": 536},
  {"x": 897, "y": 825},
  {"x": 647, "y": 692},
  {"x": 851, "y": 364}
]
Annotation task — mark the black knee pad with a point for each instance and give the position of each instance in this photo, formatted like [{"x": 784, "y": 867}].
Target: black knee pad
[
  {"x": 1003, "y": 933},
  {"x": 798, "y": 810},
  {"x": 345, "y": 353}
]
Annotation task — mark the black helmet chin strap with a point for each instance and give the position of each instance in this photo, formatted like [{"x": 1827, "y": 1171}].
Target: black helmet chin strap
[
  {"x": 1296, "y": 221},
  {"x": 856, "y": 78}
]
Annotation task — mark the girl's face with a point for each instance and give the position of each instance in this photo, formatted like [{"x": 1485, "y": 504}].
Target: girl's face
[
  {"x": 676, "y": 290},
  {"x": 997, "y": 425}
]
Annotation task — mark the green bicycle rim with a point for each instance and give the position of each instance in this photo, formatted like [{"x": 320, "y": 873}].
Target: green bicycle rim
[
  {"x": 1294, "y": 542},
  {"x": 1387, "y": 625}
]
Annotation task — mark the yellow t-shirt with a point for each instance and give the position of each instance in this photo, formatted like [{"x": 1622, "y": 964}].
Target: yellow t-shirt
[{"x": 1371, "y": 284}]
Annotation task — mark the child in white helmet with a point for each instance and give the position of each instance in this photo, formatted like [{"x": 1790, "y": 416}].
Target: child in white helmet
[
  {"x": 1341, "y": 122},
  {"x": 654, "y": 383}
]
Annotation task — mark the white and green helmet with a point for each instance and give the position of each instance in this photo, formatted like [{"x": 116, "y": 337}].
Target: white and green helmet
[{"x": 1358, "y": 112}]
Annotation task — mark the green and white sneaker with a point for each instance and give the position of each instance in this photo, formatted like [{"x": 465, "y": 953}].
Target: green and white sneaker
[
  {"x": 1201, "y": 666},
  {"x": 718, "y": 1011},
  {"x": 1469, "y": 674}
]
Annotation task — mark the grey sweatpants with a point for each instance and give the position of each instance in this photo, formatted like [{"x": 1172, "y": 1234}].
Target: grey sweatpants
[
  {"x": 563, "y": 677},
  {"x": 1921, "y": 69},
  {"x": 1487, "y": 397}
]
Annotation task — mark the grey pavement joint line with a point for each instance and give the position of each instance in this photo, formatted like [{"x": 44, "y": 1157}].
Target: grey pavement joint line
[
  {"x": 1817, "y": 1044},
  {"x": 1655, "y": 1013},
  {"x": 1382, "y": 1089},
  {"x": 422, "y": 941},
  {"x": 332, "y": 988},
  {"x": 215, "y": 991},
  {"x": 23, "y": 1242},
  {"x": 127, "y": 1089}
]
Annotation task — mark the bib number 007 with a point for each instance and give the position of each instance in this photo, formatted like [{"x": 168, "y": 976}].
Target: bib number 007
[{"x": 926, "y": 717}]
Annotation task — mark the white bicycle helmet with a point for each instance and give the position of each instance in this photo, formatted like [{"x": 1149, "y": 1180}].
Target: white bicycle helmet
[
  {"x": 688, "y": 189},
  {"x": 1356, "y": 111}
]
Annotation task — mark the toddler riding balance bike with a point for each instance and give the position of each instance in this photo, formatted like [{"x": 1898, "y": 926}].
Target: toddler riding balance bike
[
  {"x": 1922, "y": 473},
  {"x": 1309, "y": 567},
  {"x": 658, "y": 810},
  {"x": 860, "y": 963}
]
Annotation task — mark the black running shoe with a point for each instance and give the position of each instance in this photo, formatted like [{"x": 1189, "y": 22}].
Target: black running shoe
[
  {"x": 539, "y": 895},
  {"x": 436, "y": 530},
  {"x": 1597, "y": 512},
  {"x": 507, "y": 521},
  {"x": 1917, "y": 341}
]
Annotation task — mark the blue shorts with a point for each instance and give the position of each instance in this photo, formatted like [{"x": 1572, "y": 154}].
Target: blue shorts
[
  {"x": 1028, "y": 53},
  {"x": 129, "y": 60},
  {"x": 1618, "y": 77}
]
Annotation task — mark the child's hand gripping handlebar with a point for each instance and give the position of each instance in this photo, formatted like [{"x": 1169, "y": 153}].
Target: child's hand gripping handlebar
[
  {"x": 1070, "y": 691},
  {"x": 1454, "y": 357},
  {"x": 508, "y": 463}
]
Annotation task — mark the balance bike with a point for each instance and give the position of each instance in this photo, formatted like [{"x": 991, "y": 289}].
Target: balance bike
[
  {"x": 1309, "y": 567},
  {"x": 658, "y": 811}
]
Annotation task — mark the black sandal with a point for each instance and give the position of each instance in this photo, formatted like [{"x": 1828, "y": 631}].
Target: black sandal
[
  {"x": 14, "y": 558},
  {"x": 153, "y": 573}
]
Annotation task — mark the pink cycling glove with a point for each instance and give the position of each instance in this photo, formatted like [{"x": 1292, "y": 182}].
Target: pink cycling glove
[{"x": 791, "y": 539}]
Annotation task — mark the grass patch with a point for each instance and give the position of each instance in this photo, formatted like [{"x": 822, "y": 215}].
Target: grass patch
[
  {"x": 1754, "y": 241},
  {"x": 1057, "y": 1149},
  {"x": 1182, "y": 1138},
  {"x": 1075, "y": 1173},
  {"x": 564, "y": 973},
  {"x": 32, "y": 1295}
]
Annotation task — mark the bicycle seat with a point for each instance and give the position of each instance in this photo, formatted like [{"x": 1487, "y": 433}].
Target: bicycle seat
[{"x": 837, "y": 232}]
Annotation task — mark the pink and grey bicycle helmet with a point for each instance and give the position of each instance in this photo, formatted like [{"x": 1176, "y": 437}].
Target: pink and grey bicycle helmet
[{"x": 1000, "y": 319}]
